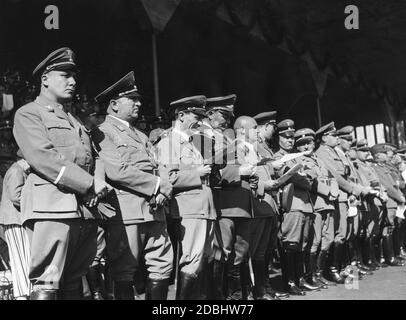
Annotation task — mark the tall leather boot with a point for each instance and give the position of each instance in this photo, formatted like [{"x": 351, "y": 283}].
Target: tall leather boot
[
  {"x": 218, "y": 280},
  {"x": 43, "y": 295},
  {"x": 361, "y": 254},
  {"x": 300, "y": 266},
  {"x": 276, "y": 295},
  {"x": 373, "y": 260},
  {"x": 234, "y": 282},
  {"x": 387, "y": 245},
  {"x": 333, "y": 272},
  {"x": 156, "y": 289},
  {"x": 312, "y": 273},
  {"x": 123, "y": 290},
  {"x": 283, "y": 263},
  {"x": 95, "y": 280},
  {"x": 187, "y": 287},
  {"x": 259, "y": 291},
  {"x": 290, "y": 260},
  {"x": 321, "y": 268},
  {"x": 368, "y": 254},
  {"x": 395, "y": 238},
  {"x": 246, "y": 284},
  {"x": 206, "y": 281}
]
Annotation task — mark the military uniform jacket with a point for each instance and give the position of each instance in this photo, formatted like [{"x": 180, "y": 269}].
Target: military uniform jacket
[
  {"x": 59, "y": 152},
  {"x": 266, "y": 202},
  {"x": 392, "y": 188},
  {"x": 14, "y": 180},
  {"x": 323, "y": 185},
  {"x": 178, "y": 161},
  {"x": 302, "y": 184},
  {"x": 397, "y": 176},
  {"x": 232, "y": 196},
  {"x": 129, "y": 167},
  {"x": 337, "y": 166},
  {"x": 368, "y": 177},
  {"x": 261, "y": 203}
]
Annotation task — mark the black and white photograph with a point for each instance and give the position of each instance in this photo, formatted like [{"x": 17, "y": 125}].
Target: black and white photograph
[{"x": 219, "y": 151}]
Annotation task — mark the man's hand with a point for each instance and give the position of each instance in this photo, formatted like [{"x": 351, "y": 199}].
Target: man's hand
[
  {"x": 100, "y": 187},
  {"x": 160, "y": 200},
  {"x": 91, "y": 200},
  {"x": 270, "y": 185},
  {"x": 246, "y": 170},
  {"x": 204, "y": 170},
  {"x": 253, "y": 180},
  {"x": 277, "y": 167},
  {"x": 352, "y": 198},
  {"x": 366, "y": 191},
  {"x": 165, "y": 188}
]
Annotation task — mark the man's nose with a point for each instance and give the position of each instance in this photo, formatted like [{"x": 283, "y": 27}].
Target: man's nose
[{"x": 72, "y": 81}]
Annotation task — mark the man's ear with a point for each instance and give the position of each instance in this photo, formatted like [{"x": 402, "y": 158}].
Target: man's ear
[
  {"x": 114, "y": 105},
  {"x": 181, "y": 115},
  {"x": 44, "y": 80}
]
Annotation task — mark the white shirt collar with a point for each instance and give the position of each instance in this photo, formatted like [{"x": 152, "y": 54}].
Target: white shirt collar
[{"x": 122, "y": 121}]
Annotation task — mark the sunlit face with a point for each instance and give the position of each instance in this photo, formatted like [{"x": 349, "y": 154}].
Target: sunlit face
[
  {"x": 61, "y": 84},
  {"x": 190, "y": 121},
  {"x": 219, "y": 119},
  {"x": 126, "y": 108},
  {"x": 306, "y": 147},
  {"x": 396, "y": 159},
  {"x": 330, "y": 140},
  {"x": 286, "y": 141},
  {"x": 268, "y": 130},
  {"x": 362, "y": 155},
  {"x": 345, "y": 144},
  {"x": 380, "y": 157},
  {"x": 352, "y": 153}
]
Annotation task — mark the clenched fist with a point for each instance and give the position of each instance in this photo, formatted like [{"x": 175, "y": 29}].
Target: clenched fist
[
  {"x": 165, "y": 188},
  {"x": 204, "y": 170}
]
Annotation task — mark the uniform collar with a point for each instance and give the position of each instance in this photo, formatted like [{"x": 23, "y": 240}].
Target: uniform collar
[
  {"x": 47, "y": 103},
  {"x": 183, "y": 136},
  {"x": 126, "y": 123},
  {"x": 52, "y": 106}
]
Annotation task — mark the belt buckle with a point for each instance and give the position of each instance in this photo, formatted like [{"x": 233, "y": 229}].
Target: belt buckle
[{"x": 155, "y": 172}]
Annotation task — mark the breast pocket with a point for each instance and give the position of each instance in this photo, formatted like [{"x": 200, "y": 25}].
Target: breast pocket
[{"x": 60, "y": 133}]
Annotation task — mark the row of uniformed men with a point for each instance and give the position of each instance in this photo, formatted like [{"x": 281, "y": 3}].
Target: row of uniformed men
[{"x": 222, "y": 217}]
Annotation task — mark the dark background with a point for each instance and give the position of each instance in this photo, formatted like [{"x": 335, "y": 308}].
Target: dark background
[{"x": 199, "y": 52}]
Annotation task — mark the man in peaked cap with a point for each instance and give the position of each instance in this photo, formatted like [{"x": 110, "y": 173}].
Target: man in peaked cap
[
  {"x": 339, "y": 165},
  {"x": 231, "y": 204},
  {"x": 323, "y": 193},
  {"x": 396, "y": 166},
  {"x": 266, "y": 130},
  {"x": 372, "y": 208},
  {"x": 263, "y": 208},
  {"x": 344, "y": 151},
  {"x": 296, "y": 223},
  {"x": 395, "y": 199},
  {"x": 138, "y": 231},
  {"x": 359, "y": 220},
  {"x": 220, "y": 110},
  {"x": 58, "y": 149},
  {"x": 192, "y": 211}
]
